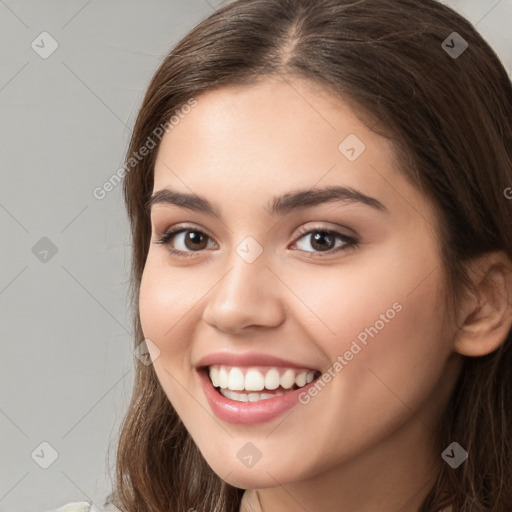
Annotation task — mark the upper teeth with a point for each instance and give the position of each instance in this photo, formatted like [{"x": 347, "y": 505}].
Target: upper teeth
[{"x": 256, "y": 379}]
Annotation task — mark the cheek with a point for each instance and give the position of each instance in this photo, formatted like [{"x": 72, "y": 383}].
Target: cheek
[
  {"x": 393, "y": 347},
  {"x": 391, "y": 299},
  {"x": 385, "y": 320},
  {"x": 166, "y": 299},
  {"x": 166, "y": 305}
]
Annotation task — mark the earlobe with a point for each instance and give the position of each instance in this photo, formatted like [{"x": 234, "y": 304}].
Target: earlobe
[{"x": 487, "y": 319}]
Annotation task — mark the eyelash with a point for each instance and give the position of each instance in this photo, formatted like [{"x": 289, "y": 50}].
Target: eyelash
[{"x": 349, "y": 242}]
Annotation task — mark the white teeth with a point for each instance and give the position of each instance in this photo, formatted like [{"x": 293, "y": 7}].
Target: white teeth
[
  {"x": 236, "y": 379},
  {"x": 223, "y": 377},
  {"x": 300, "y": 380},
  {"x": 214, "y": 376},
  {"x": 272, "y": 379},
  {"x": 254, "y": 381},
  {"x": 233, "y": 395},
  {"x": 257, "y": 379},
  {"x": 248, "y": 397},
  {"x": 287, "y": 380}
]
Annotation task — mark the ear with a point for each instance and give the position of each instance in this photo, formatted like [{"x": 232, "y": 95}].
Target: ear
[{"x": 486, "y": 318}]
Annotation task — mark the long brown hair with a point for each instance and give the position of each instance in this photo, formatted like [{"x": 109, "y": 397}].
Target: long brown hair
[{"x": 449, "y": 119}]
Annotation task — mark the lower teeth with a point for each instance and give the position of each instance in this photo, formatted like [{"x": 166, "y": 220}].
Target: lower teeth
[{"x": 251, "y": 397}]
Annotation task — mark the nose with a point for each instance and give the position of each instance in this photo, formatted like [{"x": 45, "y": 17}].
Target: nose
[{"x": 248, "y": 295}]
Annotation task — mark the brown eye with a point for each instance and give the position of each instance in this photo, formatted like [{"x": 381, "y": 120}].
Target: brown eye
[
  {"x": 194, "y": 240},
  {"x": 324, "y": 241},
  {"x": 187, "y": 240}
]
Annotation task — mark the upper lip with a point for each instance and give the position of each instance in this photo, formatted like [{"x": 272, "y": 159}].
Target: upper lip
[{"x": 248, "y": 359}]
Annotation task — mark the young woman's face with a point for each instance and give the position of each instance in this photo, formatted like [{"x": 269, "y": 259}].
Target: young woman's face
[{"x": 348, "y": 288}]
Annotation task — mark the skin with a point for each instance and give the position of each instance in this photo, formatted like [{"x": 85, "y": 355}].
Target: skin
[{"x": 366, "y": 442}]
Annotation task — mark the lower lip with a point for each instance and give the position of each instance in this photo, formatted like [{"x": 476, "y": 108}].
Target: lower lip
[{"x": 233, "y": 411}]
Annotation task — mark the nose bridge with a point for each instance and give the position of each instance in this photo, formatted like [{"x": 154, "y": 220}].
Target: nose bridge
[{"x": 248, "y": 292}]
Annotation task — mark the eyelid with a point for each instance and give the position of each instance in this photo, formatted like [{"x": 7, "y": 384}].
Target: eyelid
[
  {"x": 175, "y": 228},
  {"x": 303, "y": 230}
]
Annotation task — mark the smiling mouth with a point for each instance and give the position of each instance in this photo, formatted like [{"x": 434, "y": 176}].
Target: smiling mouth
[{"x": 255, "y": 383}]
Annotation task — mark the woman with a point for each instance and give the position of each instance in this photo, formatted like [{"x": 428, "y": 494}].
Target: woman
[{"x": 319, "y": 196}]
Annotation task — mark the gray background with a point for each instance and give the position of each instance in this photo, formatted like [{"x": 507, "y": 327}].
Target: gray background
[{"x": 66, "y": 369}]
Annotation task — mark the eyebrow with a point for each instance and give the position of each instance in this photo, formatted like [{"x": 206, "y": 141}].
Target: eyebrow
[{"x": 296, "y": 200}]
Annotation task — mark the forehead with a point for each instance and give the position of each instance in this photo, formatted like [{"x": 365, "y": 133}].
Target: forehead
[
  {"x": 274, "y": 136},
  {"x": 272, "y": 110},
  {"x": 271, "y": 124}
]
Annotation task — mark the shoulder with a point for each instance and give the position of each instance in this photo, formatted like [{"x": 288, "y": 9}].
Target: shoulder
[
  {"x": 74, "y": 506},
  {"x": 250, "y": 502},
  {"x": 84, "y": 506}
]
